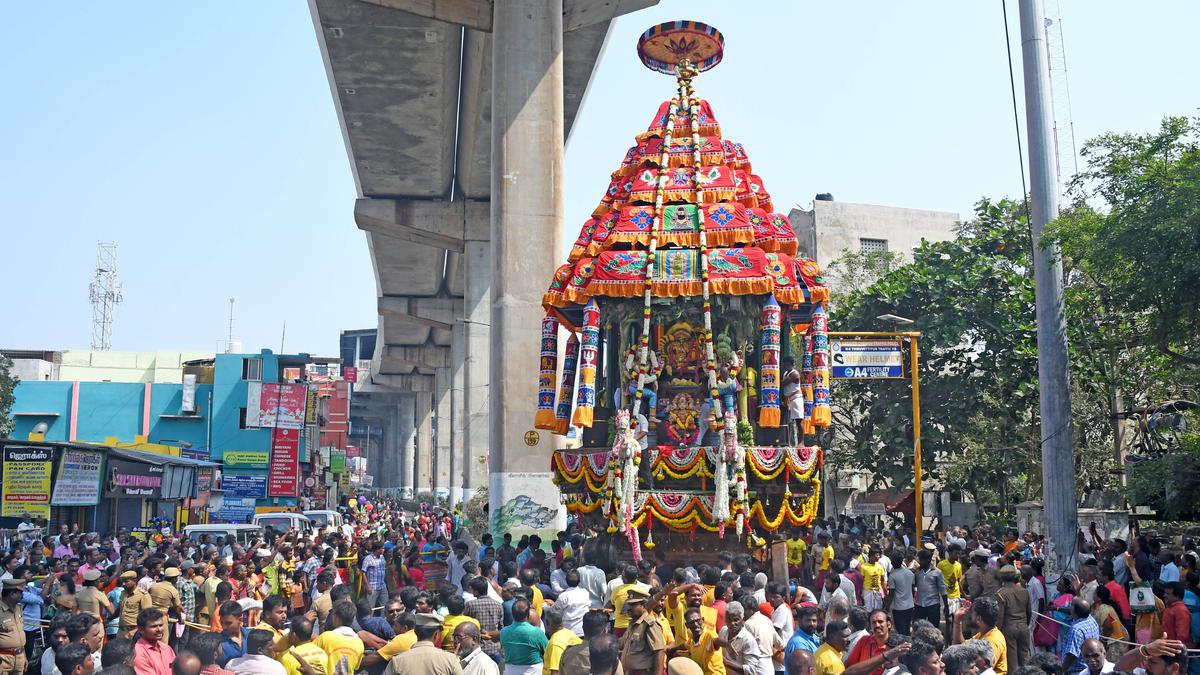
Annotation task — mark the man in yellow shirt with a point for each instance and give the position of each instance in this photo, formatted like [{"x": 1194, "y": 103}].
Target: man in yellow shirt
[
  {"x": 795, "y": 554},
  {"x": 301, "y": 649},
  {"x": 952, "y": 570},
  {"x": 986, "y": 611},
  {"x": 404, "y": 641},
  {"x": 693, "y": 598},
  {"x": 560, "y": 639},
  {"x": 698, "y": 640},
  {"x": 455, "y": 606},
  {"x": 342, "y": 645},
  {"x": 874, "y": 581},
  {"x": 617, "y": 600}
]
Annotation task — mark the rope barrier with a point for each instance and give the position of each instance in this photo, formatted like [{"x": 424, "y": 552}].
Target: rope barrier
[{"x": 1106, "y": 639}]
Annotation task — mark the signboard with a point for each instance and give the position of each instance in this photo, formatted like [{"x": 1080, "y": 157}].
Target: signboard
[
  {"x": 275, "y": 405},
  {"x": 26, "y": 484},
  {"x": 353, "y": 451},
  {"x": 243, "y": 487},
  {"x": 247, "y": 459},
  {"x": 875, "y": 509},
  {"x": 866, "y": 359},
  {"x": 321, "y": 371},
  {"x": 233, "y": 509},
  {"x": 204, "y": 480},
  {"x": 350, "y": 374},
  {"x": 78, "y": 482},
  {"x": 291, "y": 374},
  {"x": 312, "y": 406},
  {"x": 284, "y": 477},
  {"x": 134, "y": 479},
  {"x": 337, "y": 460}
]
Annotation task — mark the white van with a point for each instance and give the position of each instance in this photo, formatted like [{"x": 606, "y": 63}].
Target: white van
[
  {"x": 325, "y": 519},
  {"x": 243, "y": 534},
  {"x": 284, "y": 521}
]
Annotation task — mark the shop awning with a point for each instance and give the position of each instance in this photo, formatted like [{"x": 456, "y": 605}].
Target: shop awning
[
  {"x": 178, "y": 472},
  {"x": 879, "y": 502}
]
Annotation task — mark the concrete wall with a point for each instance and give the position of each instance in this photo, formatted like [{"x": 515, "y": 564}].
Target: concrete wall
[
  {"x": 97, "y": 366},
  {"x": 32, "y": 396},
  {"x": 34, "y": 370},
  {"x": 1111, "y": 524},
  {"x": 831, "y": 228}
]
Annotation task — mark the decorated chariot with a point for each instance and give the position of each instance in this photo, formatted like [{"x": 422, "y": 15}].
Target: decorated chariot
[{"x": 684, "y": 304}]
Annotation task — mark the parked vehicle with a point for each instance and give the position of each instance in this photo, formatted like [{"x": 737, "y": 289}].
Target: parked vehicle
[
  {"x": 325, "y": 519},
  {"x": 284, "y": 521},
  {"x": 243, "y": 534}
]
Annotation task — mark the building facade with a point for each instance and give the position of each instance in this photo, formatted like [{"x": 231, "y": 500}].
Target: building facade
[{"x": 220, "y": 410}]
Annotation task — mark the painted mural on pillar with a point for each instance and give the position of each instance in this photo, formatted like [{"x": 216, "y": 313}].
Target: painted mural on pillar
[{"x": 530, "y": 504}]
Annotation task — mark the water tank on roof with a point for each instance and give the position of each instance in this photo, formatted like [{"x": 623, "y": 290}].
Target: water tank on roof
[{"x": 824, "y": 196}]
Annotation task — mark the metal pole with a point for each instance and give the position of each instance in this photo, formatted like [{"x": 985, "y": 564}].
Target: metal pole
[
  {"x": 918, "y": 471},
  {"x": 1058, "y": 460}
]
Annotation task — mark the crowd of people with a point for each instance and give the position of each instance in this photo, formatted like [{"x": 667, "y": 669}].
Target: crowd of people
[{"x": 398, "y": 593}]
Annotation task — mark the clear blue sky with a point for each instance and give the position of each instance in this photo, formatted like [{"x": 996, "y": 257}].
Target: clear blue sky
[{"x": 202, "y": 137}]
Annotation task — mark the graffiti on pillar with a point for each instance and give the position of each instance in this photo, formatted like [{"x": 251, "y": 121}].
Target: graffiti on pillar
[{"x": 521, "y": 508}]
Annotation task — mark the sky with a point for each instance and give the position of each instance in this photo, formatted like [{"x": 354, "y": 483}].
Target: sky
[{"x": 202, "y": 137}]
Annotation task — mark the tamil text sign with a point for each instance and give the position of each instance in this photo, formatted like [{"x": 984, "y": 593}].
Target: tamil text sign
[
  {"x": 26, "y": 487},
  {"x": 243, "y": 487},
  {"x": 866, "y": 359},
  {"x": 78, "y": 482},
  {"x": 284, "y": 477},
  {"x": 246, "y": 459}
]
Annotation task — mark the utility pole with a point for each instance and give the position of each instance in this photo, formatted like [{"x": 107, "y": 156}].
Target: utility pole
[{"x": 1058, "y": 458}]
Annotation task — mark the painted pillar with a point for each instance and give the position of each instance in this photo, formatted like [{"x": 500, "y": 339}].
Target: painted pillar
[
  {"x": 407, "y": 446},
  {"x": 476, "y": 366},
  {"x": 526, "y": 215},
  {"x": 441, "y": 441},
  {"x": 458, "y": 350},
  {"x": 423, "y": 472}
]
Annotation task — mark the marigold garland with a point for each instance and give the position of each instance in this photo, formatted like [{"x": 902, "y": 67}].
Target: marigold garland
[
  {"x": 696, "y": 515},
  {"x": 666, "y": 461}
]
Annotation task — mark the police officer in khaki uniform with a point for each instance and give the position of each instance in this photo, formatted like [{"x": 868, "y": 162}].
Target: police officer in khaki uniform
[
  {"x": 133, "y": 601},
  {"x": 89, "y": 599},
  {"x": 424, "y": 658},
  {"x": 12, "y": 628},
  {"x": 643, "y": 649}
]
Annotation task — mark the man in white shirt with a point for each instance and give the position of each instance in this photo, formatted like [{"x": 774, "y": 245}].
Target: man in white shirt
[
  {"x": 831, "y": 590},
  {"x": 744, "y": 646},
  {"x": 575, "y": 601},
  {"x": 781, "y": 613},
  {"x": 455, "y": 563},
  {"x": 1093, "y": 656},
  {"x": 592, "y": 579},
  {"x": 472, "y": 658},
  {"x": 764, "y": 631}
]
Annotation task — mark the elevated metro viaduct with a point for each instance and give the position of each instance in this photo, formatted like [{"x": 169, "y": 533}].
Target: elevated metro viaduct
[{"x": 454, "y": 114}]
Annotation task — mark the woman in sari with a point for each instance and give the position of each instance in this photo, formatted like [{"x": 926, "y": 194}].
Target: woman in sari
[{"x": 1108, "y": 616}]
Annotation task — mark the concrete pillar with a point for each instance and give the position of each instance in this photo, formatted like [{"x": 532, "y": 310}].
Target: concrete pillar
[
  {"x": 458, "y": 351},
  {"x": 385, "y": 452},
  {"x": 441, "y": 456},
  {"x": 477, "y": 317},
  {"x": 423, "y": 471},
  {"x": 526, "y": 215},
  {"x": 407, "y": 446}
]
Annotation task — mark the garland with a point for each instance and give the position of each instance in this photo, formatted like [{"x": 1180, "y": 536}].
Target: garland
[
  {"x": 683, "y": 511},
  {"x": 766, "y": 463}
]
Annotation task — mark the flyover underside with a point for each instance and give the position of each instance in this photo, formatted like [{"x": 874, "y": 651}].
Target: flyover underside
[{"x": 413, "y": 84}]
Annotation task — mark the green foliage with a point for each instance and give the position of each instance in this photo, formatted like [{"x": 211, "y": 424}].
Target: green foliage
[
  {"x": 475, "y": 513},
  {"x": 1169, "y": 483},
  {"x": 1140, "y": 247},
  {"x": 8, "y": 383}
]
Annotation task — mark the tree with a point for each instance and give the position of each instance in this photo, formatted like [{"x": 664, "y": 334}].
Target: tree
[
  {"x": 1140, "y": 246},
  {"x": 8, "y": 383}
]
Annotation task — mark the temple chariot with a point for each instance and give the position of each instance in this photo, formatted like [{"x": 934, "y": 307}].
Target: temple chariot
[{"x": 684, "y": 304}]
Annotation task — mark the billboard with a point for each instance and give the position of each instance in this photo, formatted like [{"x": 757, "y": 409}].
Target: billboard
[
  {"x": 246, "y": 459},
  {"x": 283, "y": 479},
  {"x": 244, "y": 487},
  {"x": 26, "y": 482},
  {"x": 275, "y": 406},
  {"x": 134, "y": 479},
  {"x": 78, "y": 482},
  {"x": 233, "y": 509},
  {"x": 337, "y": 460},
  {"x": 866, "y": 359}
]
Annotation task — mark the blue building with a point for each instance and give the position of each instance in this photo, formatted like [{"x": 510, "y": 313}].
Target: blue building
[{"x": 204, "y": 417}]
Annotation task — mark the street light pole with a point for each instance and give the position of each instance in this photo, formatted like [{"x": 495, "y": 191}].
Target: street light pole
[
  {"x": 1058, "y": 458},
  {"x": 918, "y": 470}
]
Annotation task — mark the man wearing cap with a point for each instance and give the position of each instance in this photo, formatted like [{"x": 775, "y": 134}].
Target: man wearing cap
[
  {"x": 12, "y": 632},
  {"x": 1014, "y": 617},
  {"x": 133, "y": 601},
  {"x": 980, "y": 580},
  {"x": 89, "y": 599},
  {"x": 643, "y": 648},
  {"x": 424, "y": 658}
]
